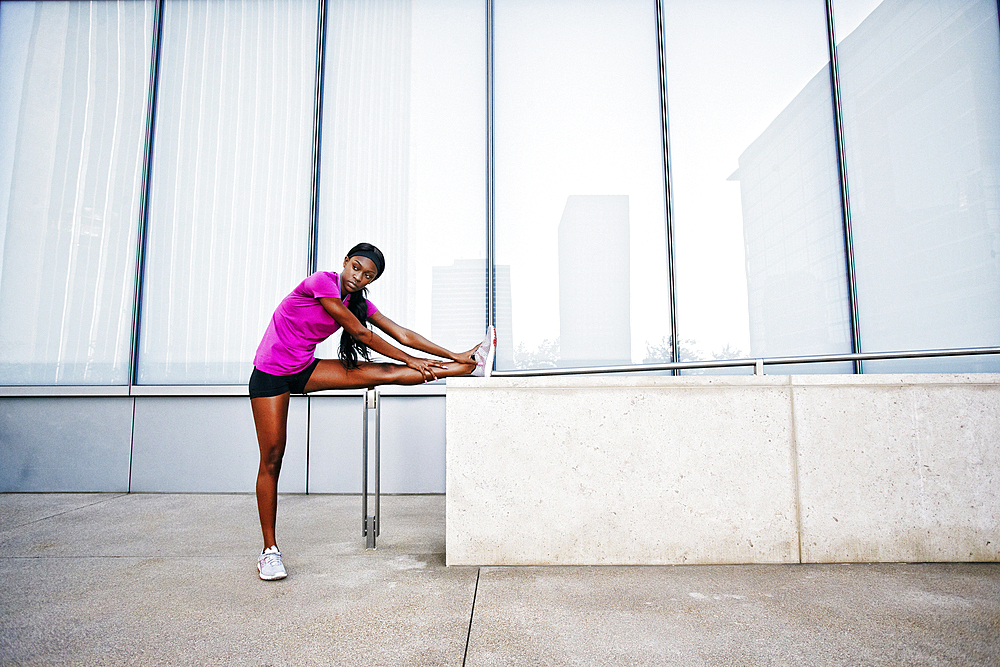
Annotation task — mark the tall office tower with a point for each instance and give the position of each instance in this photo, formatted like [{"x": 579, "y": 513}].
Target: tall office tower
[
  {"x": 793, "y": 231},
  {"x": 594, "y": 287},
  {"x": 924, "y": 241},
  {"x": 458, "y": 307}
]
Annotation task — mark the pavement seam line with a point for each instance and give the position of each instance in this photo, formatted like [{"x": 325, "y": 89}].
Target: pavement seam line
[
  {"x": 72, "y": 509},
  {"x": 795, "y": 469},
  {"x": 472, "y": 615}
]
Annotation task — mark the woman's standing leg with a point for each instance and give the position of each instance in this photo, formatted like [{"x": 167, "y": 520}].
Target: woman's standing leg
[{"x": 270, "y": 416}]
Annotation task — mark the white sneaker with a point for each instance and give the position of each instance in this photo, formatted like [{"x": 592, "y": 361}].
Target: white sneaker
[
  {"x": 269, "y": 565},
  {"x": 484, "y": 355}
]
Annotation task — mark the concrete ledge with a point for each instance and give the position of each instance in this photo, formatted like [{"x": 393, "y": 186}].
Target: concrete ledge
[{"x": 736, "y": 469}]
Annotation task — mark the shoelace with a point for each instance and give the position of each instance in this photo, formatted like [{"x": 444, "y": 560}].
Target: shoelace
[{"x": 271, "y": 559}]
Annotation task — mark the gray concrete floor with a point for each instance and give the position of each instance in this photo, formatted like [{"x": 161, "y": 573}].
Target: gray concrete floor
[{"x": 171, "y": 580}]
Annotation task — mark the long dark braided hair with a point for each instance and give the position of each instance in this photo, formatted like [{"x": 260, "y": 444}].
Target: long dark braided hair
[{"x": 351, "y": 348}]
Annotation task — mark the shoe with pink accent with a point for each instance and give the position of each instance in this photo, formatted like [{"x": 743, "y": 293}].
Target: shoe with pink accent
[
  {"x": 484, "y": 355},
  {"x": 269, "y": 565}
]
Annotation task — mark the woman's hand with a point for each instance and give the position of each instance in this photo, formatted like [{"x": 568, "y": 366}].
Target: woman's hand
[
  {"x": 427, "y": 367},
  {"x": 468, "y": 357}
]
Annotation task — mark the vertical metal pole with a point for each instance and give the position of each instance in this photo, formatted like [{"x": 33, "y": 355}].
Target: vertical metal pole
[
  {"x": 370, "y": 524},
  {"x": 667, "y": 183},
  {"x": 376, "y": 400},
  {"x": 491, "y": 316},
  {"x": 313, "y": 251},
  {"x": 147, "y": 167},
  {"x": 364, "y": 465},
  {"x": 845, "y": 199}
]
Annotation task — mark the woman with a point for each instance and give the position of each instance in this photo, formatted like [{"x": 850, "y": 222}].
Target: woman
[{"x": 321, "y": 304}]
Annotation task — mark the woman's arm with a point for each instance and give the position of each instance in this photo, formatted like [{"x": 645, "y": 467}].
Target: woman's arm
[
  {"x": 415, "y": 341},
  {"x": 346, "y": 319}
]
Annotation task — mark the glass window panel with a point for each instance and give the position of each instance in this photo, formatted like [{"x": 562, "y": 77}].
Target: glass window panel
[
  {"x": 73, "y": 86},
  {"x": 920, "y": 84},
  {"x": 579, "y": 182},
  {"x": 758, "y": 223},
  {"x": 230, "y": 187},
  {"x": 403, "y": 159}
]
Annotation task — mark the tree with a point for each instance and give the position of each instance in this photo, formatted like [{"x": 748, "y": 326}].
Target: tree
[
  {"x": 729, "y": 352},
  {"x": 546, "y": 356},
  {"x": 659, "y": 353}
]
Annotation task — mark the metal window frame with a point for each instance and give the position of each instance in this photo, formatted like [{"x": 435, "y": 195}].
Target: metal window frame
[
  {"x": 668, "y": 194},
  {"x": 313, "y": 252},
  {"x": 147, "y": 167},
  {"x": 845, "y": 198},
  {"x": 491, "y": 315}
]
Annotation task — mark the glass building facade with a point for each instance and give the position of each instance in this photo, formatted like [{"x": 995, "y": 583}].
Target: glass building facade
[{"x": 610, "y": 183}]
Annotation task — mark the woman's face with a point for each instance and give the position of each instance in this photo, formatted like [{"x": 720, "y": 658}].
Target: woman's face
[{"x": 358, "y": 272}]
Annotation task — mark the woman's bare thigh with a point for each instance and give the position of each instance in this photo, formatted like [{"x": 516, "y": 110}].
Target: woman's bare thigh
[{"x": 332, "y": 374}]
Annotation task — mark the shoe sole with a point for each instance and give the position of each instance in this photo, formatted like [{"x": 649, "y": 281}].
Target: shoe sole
[
  {"x": 275, "y": 578},
  {"x": 488, "y": 365}
]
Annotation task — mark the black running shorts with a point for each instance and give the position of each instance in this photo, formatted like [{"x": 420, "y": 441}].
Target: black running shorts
[{"x": 264, "y": 384}]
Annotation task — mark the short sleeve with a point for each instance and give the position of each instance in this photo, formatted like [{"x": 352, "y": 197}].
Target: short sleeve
[{"x": 322, "y": 284}]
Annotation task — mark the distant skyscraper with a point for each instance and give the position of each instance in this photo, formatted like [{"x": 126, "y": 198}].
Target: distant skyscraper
[
  {"x": 594, "y": 287},
  {"x": 458, "y": 307}
]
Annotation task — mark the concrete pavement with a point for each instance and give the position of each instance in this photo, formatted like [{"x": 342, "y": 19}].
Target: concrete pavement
[{"x": 107, "y": 579}]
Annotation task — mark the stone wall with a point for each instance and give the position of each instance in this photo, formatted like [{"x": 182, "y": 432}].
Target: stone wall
[{"x": 736, "y": 469}]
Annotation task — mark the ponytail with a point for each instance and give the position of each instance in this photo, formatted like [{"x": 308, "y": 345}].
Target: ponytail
[{"x": 350, "y": 347}]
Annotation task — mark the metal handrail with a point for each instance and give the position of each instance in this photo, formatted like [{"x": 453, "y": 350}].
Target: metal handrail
[
  {"x": 757, "y": 364},
  {"x": 437, "y": 388}
]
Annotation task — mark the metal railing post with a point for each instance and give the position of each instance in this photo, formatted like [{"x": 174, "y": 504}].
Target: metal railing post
[{"x": 370, "y": 523}]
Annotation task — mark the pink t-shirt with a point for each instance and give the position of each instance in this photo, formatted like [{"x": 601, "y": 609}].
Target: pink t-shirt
[{"x": 299, "y": 324}]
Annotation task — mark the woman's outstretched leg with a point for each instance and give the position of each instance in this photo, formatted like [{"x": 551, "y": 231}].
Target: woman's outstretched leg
[
  {"x": 270, "y": 416},
  {"x": 332, "y": 374}
]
